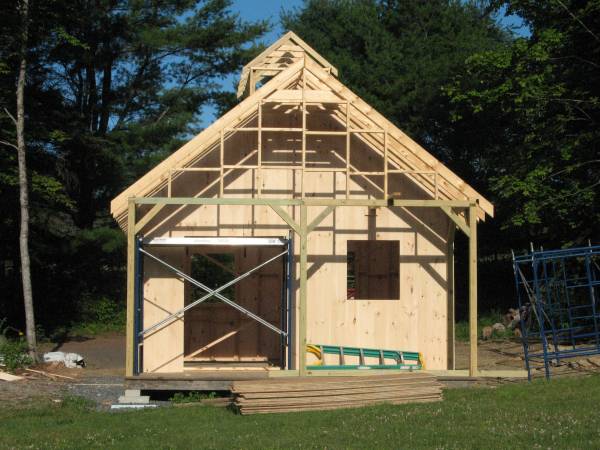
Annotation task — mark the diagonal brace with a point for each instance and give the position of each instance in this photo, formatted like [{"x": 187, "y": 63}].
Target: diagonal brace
[
  {"x": 286, "y": 217},
  {"x": 212, "y": 293},
  {"x": 457, "y": 219},
  {"x": 148, "y": 217},
  {"x": 322, "y": 215}
]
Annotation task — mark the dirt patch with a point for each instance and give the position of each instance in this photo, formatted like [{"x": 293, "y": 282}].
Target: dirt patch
[
  {"x": 508, "y": 355},
  {"x": 492, "y": 355},
  {"x": 101, "y": 380},
  {"x": 104, "y": 355}
]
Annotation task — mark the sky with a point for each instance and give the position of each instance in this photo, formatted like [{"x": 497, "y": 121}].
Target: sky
[
  {"x": 265, "y": 9},
  {"x": 253, "y": 10}
]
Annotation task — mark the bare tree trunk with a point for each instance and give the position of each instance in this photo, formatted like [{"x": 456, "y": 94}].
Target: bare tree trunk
[{"x": 23, "y": 191}]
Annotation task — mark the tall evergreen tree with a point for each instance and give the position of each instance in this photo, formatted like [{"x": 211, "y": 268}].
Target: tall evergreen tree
[
  {"x": 112, "y": 87},
  {"x": 397, "y": 54},
  {"x": 133, "y": 77}
]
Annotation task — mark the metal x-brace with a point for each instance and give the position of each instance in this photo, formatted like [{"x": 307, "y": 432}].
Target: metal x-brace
[{"x": 212, "y": 293}]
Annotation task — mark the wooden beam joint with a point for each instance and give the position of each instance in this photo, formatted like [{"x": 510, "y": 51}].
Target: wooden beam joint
[
  {"x": 286, "y": 217},
  {"x": 457, "y": 219},
  {"x": 315, "y": 223}
]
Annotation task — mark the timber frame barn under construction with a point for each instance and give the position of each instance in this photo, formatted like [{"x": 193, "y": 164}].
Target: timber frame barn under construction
[{"x": 302, "y": 218}]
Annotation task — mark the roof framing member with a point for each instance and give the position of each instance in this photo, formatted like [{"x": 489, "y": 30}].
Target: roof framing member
[
  {"x": 247, "y": 78},
  {"x": 152, "y": 181}
]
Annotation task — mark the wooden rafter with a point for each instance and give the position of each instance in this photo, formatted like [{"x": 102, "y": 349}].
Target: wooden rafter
[
  {"x": 268, "y": 63},
  {"x": 399, "y": 153}
]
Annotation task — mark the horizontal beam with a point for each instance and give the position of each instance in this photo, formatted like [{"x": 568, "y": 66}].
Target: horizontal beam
[
  {"x": 308, "y": 202},
  {"x": 215, "y": 201},
  {"x": 249, "y": 241},
  {"x": 433, "y": 203}
]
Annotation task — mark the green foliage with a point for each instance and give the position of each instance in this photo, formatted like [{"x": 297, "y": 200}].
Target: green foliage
[
  {"x": 13, "y": 354},
  {"x": 191, "y": 397},
  {"x": 534, "y": 106},
  {"x": 396, "y": 54},
  {"x": 215, "y": 269},
  {"x": 556, "y": 414},
  {"x": 113, "y": 87},
  {"x": 98, "y": 315}
]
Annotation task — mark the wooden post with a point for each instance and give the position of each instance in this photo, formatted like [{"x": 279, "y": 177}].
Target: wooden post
[
  {"x": 251, "y": 82},
  {"x": 302, "y": 294},
  {"x": 473, "y": 289},
  {"x": 451, "y": 299},
  {"x": 347, "y": 150},
  {"x": 303, "y": 169},
  {"x": 385, "y": 165},
  {"x": 221, "y": 167},
  {"x": 259, "y": 147},
  {"x": 129, "y": 331},
  {"x": 169, "y": 182}
]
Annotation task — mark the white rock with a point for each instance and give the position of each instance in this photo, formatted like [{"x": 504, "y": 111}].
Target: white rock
[
  {"x": 70, "y": 360},
  {"x": 498, "y": 328}
]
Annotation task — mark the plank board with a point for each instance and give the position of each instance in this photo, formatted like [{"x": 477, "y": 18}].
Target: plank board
[{"x": 323, "y": 393}]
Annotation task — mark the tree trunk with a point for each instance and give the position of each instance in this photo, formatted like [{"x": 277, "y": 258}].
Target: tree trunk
[{"x": 23, "y": 192}]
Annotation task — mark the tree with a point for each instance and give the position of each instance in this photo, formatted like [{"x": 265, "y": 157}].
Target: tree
[
  {"x": 113, "y": 86},
  {"x": 533, "y": 110},
  {"x": 21, "y": 148},
  {"x": 133, "y": 77},
  {"x": 397, "y": 54},
  {"x": 23, "y": 190}
]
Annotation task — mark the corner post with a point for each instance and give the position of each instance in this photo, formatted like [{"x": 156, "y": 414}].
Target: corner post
[
  {"x": 451, "y": 297},
  {"x": 303, "y": 283},
  {"x": 473, "y": 289},
  {"x": 129, "y": 331}
]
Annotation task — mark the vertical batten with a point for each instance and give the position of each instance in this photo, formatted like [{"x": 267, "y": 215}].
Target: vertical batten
[
  {"x": 302, "y": 179},
  {"x": 259, "y": 148},
  {"x": 347, "y": 149},
  {"x": 473, "y": 290},
  {"x": 222, "y": 160}
]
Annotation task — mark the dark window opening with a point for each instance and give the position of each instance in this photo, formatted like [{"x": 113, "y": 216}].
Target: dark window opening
[
  {"x": 373, "y": 270},
  {"x": 213, "y": 270}
]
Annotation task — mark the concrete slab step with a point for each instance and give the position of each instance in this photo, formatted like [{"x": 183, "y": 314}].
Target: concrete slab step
[{"x": 139, "y": 400}]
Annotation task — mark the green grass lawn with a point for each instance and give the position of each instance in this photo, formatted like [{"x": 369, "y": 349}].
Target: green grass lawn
[{"x": 560, "y": 414}]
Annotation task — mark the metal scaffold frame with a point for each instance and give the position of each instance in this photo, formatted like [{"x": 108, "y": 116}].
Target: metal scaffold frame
[
  {"x": 286, "y": 310},
  {"x": 558, "y": 293}
]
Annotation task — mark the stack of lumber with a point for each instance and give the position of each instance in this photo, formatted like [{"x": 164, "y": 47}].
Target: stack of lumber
[{"x": 323, "y": 393}]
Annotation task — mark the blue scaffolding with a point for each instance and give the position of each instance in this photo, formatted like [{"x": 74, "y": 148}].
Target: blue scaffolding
[{"x": 558, "y": 293}]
